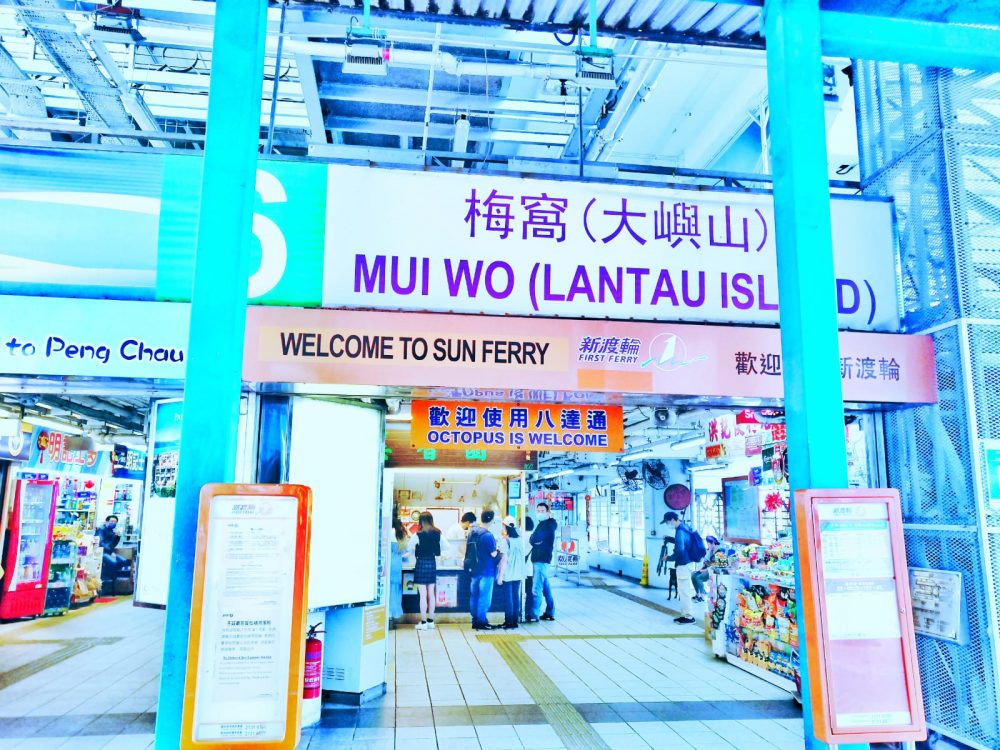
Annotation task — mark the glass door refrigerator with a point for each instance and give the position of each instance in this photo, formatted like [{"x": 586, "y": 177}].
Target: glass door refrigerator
[{"x": 29, "y": 547}]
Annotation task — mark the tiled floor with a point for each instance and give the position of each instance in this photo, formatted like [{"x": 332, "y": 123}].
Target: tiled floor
[{"x": 608, "y": 674}]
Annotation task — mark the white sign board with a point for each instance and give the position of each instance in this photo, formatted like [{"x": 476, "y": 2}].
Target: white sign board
[
  {"x": 246, "y": 619},
  {"x": 938, "y": 604},
  {"x": 511, "y": 246},
  {"x": 93, "y": 338}
]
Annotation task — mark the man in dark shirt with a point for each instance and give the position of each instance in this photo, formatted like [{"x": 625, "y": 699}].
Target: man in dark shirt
[
  {"x": 542, "y": 540},
  {"x": 483, "y": 572},
  {"x": 109, "y": 539}
]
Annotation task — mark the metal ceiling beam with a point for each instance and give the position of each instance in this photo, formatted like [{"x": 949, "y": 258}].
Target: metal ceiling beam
[
  {"x": 21, "y": 94},
  {"x": 289, "y": 137},
  {"x": 412, "y": 129},
  {"x": 943, "y": 45},
  {"x": 395, "y": 95},
  {"x": 92, "y": 413},
  {"x": 55, "y": 34}
]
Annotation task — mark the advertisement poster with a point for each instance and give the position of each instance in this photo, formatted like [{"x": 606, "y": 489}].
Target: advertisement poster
[
  {"x": 246, "y": 628},
  {"x": 157, "y": 519},
  {"x": 477, "y": 426},
  {"x": 128, "y": 463},
  {"x": 447, "y": 591},
  {"x": 48, "y": 452}
]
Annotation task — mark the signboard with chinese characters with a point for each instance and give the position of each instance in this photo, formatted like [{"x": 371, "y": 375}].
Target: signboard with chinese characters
[
  {"x": 451, "y": 351},
  {"x": 246, "y": 642},
  {"x": 128, "y": 463},
  {"x": 858, "y": 617},
  {"x": 48, "y": 453},
  {"x": 400, "y": 454},
  {"x": 938, "y": 604},
  {"x": 535, "y": 427},
  {"x": 499, "y": 245},
  {"x": 511, "y": 246}
]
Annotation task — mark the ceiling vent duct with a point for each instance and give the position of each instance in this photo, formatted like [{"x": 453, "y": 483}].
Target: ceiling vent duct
[{"x": 366, "y": 60}]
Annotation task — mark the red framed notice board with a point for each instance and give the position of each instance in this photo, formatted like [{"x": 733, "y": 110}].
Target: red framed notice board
[
  {"x": 862, "y": 659},
  {"x": 246, "y": 644}
]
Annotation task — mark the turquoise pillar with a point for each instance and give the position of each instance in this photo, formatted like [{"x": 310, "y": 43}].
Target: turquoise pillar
[
  {"x": 218, "y": 318},
  {"x": 810, "y": 352}
]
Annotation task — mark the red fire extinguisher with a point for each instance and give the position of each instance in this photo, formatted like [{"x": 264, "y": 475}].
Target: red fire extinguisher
[{"x": 313, "y": 672}]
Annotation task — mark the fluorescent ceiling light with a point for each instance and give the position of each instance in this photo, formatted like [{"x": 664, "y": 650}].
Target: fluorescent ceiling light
[
  {"x": 563, "y": 473},
  {"x": 53, "y": 425},
  {"x": 688, "y": 442},
  {"x": 641, "y": 454},
  {"x": 402, "y": 417}
]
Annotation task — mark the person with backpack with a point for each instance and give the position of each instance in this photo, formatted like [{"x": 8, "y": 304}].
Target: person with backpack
[
  {"x": 689, "y": 548},
  {"x": 481, "y": 560}
]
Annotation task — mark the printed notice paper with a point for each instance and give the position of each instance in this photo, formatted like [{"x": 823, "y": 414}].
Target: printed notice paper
[{"x": 246, "y": 619}]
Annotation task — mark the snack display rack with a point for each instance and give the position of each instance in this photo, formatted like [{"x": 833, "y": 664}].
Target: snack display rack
[{"x": 751, "y": 614}]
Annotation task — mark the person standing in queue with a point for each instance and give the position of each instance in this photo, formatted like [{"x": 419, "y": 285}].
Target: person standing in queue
[
  {"x": 397, "y": 548},
  {"x": 428, "y": 549},
  {"x": 481, "y": 559},
  {"x": 529, "y": 597},
  {"x": 684, "y": 560},
  {"x": 460, "y": 531},
  {"x": 512, "y": 568},
  {"x": 542, "y": 540}
]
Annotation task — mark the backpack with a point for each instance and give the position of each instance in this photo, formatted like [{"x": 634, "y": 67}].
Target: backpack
[
  {"x": 696, "y": 549},
  {"x": 471, "y": 554}
]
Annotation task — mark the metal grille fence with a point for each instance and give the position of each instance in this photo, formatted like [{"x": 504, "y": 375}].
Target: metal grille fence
[{"x": 930, "y": 138}]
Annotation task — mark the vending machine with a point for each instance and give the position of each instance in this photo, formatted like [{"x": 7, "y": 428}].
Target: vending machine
[{"x": 29, "y": 548}]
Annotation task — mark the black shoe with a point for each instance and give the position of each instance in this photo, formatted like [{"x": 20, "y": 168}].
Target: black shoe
[
  {"x": 699, "y": 598},
  {"x": 509, "y": 625},
  {"x": 684, "y": 620},
  {"x": 531, "y": 619},
  {"x": 548, "y": 617}
]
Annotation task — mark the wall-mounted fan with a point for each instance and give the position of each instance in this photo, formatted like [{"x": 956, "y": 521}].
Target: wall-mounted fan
[
  {"x": 630, "y": 478},
  {"x": 677, "y": 496},
  {"x": 654, "y": 473}
]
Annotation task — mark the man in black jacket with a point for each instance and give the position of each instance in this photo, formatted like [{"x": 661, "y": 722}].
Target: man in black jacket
[
  {"x": 684, "y": 564},
  {"x": 542, "y": 540}
]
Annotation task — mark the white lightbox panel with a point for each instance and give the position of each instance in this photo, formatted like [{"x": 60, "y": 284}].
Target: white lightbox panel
[{"x": 337, "y": 451}]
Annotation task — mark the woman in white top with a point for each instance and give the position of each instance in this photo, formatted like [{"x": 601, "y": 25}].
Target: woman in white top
[{"x": 511, "y": 572}]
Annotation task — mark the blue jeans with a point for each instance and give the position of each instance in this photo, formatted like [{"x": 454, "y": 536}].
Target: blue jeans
[
  {"x": 511, "y": 602},
  {"x": 480, "y": 598},
  {"x": 541, "y": 587}
]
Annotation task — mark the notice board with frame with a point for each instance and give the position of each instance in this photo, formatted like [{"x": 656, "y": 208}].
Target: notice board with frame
[
  {"x": 246, "y": 643},
  {"x": 741, "y": 510},
  {"x": 858, "y": 617}
]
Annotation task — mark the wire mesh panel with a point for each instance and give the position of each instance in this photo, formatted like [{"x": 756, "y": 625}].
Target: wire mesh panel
[
  {"x": 958, "y": 680},
  {"x": 928, "y": 447},
  {"x": 930, "y": 139}
]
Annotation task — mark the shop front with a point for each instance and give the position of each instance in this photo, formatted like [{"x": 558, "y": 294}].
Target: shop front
[{"x": 663, "y": 303}]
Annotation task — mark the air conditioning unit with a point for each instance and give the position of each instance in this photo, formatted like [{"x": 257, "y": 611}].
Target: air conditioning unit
[
  {"x": 366, "y": 59},
  {"x": 596, "y": 73}
]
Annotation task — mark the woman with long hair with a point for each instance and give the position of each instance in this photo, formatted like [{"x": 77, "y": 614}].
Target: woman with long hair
[
  {"x": 428, "y": 548},
  {"x": 512, "y": 571},
  {"x": 397, "y": 546}
]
